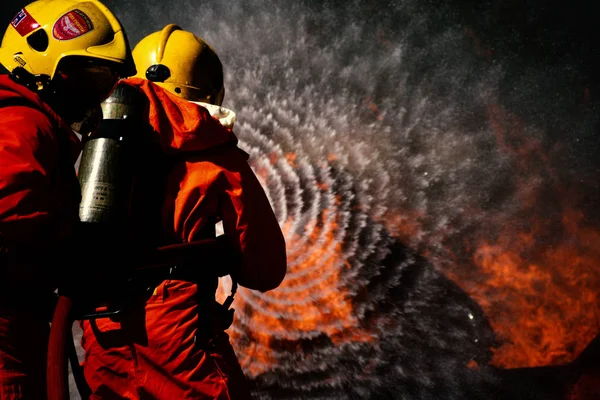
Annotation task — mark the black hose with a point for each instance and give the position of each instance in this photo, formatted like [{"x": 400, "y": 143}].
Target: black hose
[{"x": 84, "y": 390}]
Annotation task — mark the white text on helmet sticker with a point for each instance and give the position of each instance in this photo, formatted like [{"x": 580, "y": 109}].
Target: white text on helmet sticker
[{"x": 71, "y": 25}]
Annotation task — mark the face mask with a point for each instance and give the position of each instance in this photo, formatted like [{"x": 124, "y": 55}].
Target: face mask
[{"x": 80, "y": 85}]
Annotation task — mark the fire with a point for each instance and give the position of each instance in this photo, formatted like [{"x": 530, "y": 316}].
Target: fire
[
  {"x": 544, "y": 308},
  {"x": 404, "y": 225},
  {"x": 532, "y": 268},
  {"x": 376, "y": 111},
  {"x": 535, "y": 272},
  {"x": 291, "y": 159},
  {"x": 538, "y": 276},
  {"x": 310, "y": 302}
]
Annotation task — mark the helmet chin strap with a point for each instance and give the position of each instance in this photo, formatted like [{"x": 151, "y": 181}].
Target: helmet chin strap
[
  {"x": 35, "y": 83},
  {"x": 50, "y": 91}
]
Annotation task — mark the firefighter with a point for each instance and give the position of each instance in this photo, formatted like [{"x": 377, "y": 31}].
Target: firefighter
[
  {"x": 171, "y": 343},
  {"x": 59, "y": 59}
]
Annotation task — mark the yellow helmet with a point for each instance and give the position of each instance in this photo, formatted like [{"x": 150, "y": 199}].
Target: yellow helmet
[
  {"x": 182, "y": 63},
  {"x": 45, "y": 32}
]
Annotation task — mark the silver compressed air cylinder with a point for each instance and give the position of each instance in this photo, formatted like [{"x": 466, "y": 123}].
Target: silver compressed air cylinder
[{"x": 106, "y": 166}]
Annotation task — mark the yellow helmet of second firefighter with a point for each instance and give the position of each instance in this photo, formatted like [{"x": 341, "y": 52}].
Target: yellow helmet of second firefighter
[
  {"x": 46, "y": 32},
  {"x": 182, "y": 63}
]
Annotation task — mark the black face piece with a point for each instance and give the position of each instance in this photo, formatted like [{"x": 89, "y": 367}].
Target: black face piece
[{"x": 158, "y": 73}]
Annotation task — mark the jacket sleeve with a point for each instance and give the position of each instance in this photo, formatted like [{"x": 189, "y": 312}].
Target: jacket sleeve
[
  {"x": 28, "y": 158},
  {"x": 223, "y": 184}
]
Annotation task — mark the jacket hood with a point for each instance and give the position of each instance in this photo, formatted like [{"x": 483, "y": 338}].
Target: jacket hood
[
  {"x": 12, "y": 93},
  {"x": 182, "y": 125},
  {"x": 225, "y": 116}
]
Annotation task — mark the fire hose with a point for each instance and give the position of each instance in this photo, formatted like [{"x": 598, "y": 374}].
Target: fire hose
[{"x": 61, "y": 348}]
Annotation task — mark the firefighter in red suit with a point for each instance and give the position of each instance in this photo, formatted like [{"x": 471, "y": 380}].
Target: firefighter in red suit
[
  {"x": 172, "y": 345},
  {"x": 59, "y": 58}
]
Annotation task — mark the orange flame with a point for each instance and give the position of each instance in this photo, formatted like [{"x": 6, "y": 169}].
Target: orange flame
[
  {"x": 291, "y": 159},
  {"x": 374, "y": 108},
  {"x": 322, "y": 307},
  {"x": 545, "y": 308},
  {"x": 539, "y": 277},
  {"x": 536, "y": 279}
]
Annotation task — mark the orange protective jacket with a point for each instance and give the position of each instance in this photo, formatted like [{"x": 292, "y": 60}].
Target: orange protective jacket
[
  {"x": 219, "y": 183},
  {"x": 39, "y": 197},
  {"x": 39, "y": 191},
  {"x": 152, "y": 352}
]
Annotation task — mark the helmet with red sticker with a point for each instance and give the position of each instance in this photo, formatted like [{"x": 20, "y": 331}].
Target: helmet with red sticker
[{"x": 46, "y": 35}]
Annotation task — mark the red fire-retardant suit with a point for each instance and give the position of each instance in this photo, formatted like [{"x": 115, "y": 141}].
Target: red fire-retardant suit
[
  {"x": 39, "y": 197},
  {"x": 156, "y": 350}
]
